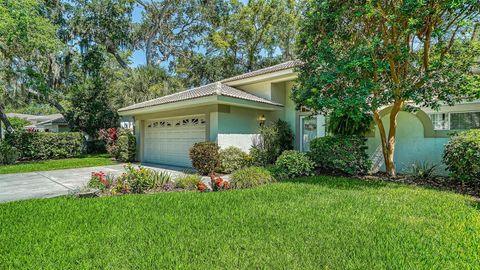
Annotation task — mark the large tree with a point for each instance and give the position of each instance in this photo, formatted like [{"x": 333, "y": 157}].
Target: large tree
[
  {"x": 362, "y": 56},
  {"x": 241, "y": 37},
  {"x": 28, "y": 43}
]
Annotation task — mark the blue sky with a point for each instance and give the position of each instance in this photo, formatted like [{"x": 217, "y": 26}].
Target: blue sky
[{"x": 138, "y": 57}]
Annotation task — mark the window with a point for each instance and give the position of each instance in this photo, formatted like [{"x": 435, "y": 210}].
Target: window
[
  {"x": 455, "y": 120},
  {"x": 440, "y": 121},
  {"x": 465, "y": 120}
]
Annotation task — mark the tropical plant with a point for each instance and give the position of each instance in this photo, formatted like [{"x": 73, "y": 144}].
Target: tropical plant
[
  {"x": 360, "y": 57},
  {"x": 462, "y": 155},
  {"x": 250, "y": 177},
  {"x": 291, "y": 164},
  {"x": 423, "y": 170}
]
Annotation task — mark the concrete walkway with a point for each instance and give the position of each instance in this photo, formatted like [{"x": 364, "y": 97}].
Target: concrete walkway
[{"x": 21, "y": 186}]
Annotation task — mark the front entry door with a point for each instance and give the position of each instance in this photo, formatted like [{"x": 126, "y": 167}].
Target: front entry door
[{"x": 311, "y": 127}]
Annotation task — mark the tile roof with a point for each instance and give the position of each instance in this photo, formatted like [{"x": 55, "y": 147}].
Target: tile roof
[
  {"x": 279, "y": 67},
  {"x": 58, "y": 120},
  {"x": 217, "y": 88}
]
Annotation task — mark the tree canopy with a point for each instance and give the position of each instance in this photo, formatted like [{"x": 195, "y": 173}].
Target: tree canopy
[
  {"x": 66, "y": 53},
  {"x": 363, "y": 56}
]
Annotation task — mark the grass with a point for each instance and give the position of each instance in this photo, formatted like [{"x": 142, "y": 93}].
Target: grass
[
  {"x": 314, "y": 223},
  {"x": 58, "y": 164}
]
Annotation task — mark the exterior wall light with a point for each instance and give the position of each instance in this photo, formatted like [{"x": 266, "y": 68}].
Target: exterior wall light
[{"x": 261, "y": 120}]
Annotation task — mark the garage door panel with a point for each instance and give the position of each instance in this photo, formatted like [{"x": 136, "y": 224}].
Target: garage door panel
[{"x": 167, "y": 141}]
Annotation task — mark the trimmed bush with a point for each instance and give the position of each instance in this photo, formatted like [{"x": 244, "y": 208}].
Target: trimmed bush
[
  {"x": 125, "y": 147},
  {"x": 345, "y": 154},
  {"x": 8, "y": 154},
  {"x": 250, "y": 177},
  {"x": 48, "y": 145},
  {"x": 293, "y": 163},
  {"x": 188, "y": 182},
  {"x": 462, "y": 155},
  {"x": 205, "y": 157},
  {"x": 232, "y": 159}
]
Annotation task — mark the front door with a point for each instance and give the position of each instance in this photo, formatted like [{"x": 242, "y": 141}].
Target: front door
[{"x": 311, "y": 127}]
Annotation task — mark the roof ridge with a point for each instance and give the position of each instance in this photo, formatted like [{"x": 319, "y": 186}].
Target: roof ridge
[{"x": 287, "y": 64}]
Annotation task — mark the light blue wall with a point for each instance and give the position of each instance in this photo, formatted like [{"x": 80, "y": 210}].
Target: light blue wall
[
  {"x": 411, "y": 145},
  {"x": 239, "y": 120}
]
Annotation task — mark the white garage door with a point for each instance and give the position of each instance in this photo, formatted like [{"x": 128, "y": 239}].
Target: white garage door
[{"x": 167, "y": 141}]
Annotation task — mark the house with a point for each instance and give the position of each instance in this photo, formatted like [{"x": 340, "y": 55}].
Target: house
[
  {"x": 56, "y": 123},
  {"x": 230, "y": 112},
  {"x": 51, "y": 122}
]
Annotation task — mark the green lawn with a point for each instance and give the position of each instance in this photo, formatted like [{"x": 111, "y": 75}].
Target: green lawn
[
  {"x": 58, "y": 164},
  {"x": 322, "y": 222}
]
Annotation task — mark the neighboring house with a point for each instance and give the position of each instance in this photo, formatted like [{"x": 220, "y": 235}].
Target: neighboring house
[
  {"x": 230, "y": 112},
  {"x": 57, "y": 124},
  {"x": 51, "y": 122}
]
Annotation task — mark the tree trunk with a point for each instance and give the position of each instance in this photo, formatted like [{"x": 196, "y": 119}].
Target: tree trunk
[
  {"x": 388, "y": 143},
  {"x": 50, "y": 101},
  {"x": 4, "y": 119}
]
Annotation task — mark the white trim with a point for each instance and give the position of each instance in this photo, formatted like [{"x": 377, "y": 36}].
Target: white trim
[{"x": 449, "y": 118}]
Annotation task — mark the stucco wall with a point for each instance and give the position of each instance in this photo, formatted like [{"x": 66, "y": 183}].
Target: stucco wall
[
  {"x": 411, "y": 145},
  {"x": 242, "y": 141},
  {"x": 239, "y": 120},
  {"x": 261, "y": 89}
]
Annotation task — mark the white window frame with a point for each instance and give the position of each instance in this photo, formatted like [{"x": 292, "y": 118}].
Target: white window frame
[{"x": 448, "y": 118}]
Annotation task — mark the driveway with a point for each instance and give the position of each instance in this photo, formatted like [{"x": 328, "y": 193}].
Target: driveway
[{"x": 21, "y": 186}]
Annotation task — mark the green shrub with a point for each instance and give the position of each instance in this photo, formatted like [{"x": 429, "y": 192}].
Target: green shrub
[
  {"x": 232, "y": 159},
  {"x": 125, "y": 147},
  {"x": 8, "y": 154},
  {"x": 47, "y": 145},
  {"x": 205, "y": 157},
  {"x": 462, "y": 155},
  {"x": 292, "y": 164},
  {"x": 273, "y": 140},
  {"x": 345, "y": 154},
  {"x": 250, "y": 177},
  {"x": 188, "y": 182},
  {"x": 141, "y": 179}
]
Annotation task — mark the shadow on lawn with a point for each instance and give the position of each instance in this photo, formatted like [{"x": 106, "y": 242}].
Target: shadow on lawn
[{"x": 339, "y": 182}]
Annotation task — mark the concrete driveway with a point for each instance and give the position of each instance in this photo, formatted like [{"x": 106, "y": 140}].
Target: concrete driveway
[{"x": 21, "y": 186}]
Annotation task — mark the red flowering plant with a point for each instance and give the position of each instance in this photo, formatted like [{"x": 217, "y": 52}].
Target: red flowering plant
[
  {"x": 218, "y": 183},
  {"x": 109, "y": 136},
  {"x": 100, "y": 180}
]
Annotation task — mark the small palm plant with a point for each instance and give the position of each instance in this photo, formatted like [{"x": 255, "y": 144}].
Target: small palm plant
[{"x": 423, "y": 170}]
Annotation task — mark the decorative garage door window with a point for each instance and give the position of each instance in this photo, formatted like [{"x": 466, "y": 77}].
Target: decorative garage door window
[{"x": 182, "y": 122}]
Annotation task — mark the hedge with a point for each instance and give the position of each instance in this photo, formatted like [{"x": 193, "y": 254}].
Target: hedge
[{"x": 48, "y": 145}]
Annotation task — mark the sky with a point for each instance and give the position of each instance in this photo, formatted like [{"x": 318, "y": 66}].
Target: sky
[{"x": 138, "y": 56}]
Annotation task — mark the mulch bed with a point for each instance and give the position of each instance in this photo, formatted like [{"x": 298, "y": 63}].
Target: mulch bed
[{"x": 437, "y": 182}]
